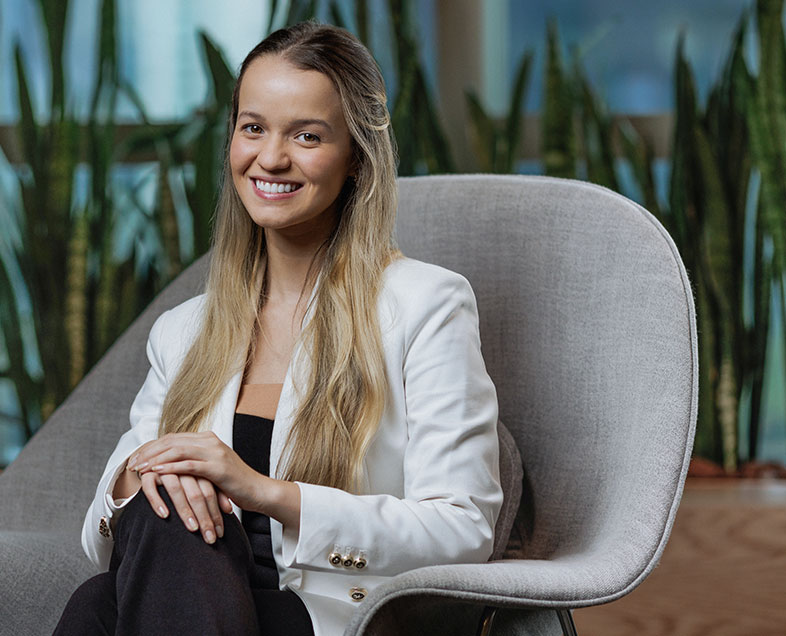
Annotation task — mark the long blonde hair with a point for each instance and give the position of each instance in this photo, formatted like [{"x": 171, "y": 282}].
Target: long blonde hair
[{"x": 343, "y": 398}]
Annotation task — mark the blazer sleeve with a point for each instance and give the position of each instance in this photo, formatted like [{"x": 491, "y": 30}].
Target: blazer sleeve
[
  {"x": 144, "y": 416},
  {"x": 451, "y": 465}
]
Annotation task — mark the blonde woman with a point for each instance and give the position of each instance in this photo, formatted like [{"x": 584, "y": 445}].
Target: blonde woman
[{"x": 320, "y": 419}]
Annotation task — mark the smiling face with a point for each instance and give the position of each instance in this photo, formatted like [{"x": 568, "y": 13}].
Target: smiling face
[{"x": 291, "y": 150}]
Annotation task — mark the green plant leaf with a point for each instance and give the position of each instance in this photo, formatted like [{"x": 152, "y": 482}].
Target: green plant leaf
[
  {"x": 55, "y": 13},
  {"x": 514, "y": 118},
  {"x": 638, "y": 151},
  {"x": 271, "y": 17},
  {"x": 438, "y": 156},
  {"x": 222, "y": 79},
  {"x": 598, "y": 132},
  {"x": 28, "y": 126},
  {"x": 301, "y": 10},
  {"x": 759, "y": 334},
  {"x": 335, "y": 15},
  {"x": 361, "y": 20},
  {"x": 485, "y": 133},
  {"x": 559, "y": 144}
]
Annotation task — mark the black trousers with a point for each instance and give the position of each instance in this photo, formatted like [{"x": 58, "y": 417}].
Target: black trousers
[{"x": 163, "y": 579}]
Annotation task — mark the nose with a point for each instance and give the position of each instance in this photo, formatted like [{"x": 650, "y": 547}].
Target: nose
[{"x": 273, "y": 154}]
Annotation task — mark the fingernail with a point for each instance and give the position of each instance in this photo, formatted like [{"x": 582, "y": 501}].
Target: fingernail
[
  {"x": 162, "y": 512},
  {"x": 141, "y": 466},
  {"x": 220, "y": 531},
  {"x": 192, "y": 524},
  {"x": 154, "y": 468},
  {"x": 131, "y": 462},
  {"x": 210, "y": 537}
]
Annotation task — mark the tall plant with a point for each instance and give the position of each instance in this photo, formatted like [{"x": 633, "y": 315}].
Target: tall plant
[
  {"x": 81, "y": 295},
  {"x": 715, "y": 149},
  {"x": 496, "y": 144}
]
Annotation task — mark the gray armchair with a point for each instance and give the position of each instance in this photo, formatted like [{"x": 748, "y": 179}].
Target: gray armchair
[{"x": 589, "y": 333}]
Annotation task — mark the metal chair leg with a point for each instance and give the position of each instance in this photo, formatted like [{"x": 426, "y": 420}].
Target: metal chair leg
[
  {"x": 486, "y": 621},
  {"x": 566, "y": 622}
]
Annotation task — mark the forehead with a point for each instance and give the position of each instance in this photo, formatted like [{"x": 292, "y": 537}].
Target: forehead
[{"x": 273, "y": 83}]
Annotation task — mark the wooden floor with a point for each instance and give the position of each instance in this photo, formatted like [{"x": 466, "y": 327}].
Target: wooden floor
[{"x": 723, "y": 571}]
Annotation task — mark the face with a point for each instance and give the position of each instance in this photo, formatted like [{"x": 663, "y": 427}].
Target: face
[{"x": 291, "y": 150}]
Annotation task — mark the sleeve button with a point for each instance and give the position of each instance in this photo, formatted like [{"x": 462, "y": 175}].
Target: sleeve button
[
  {"x": 360, "y": 563},
  {"x": 357, "y": 594},
  {"x": 335, "y": 559}
]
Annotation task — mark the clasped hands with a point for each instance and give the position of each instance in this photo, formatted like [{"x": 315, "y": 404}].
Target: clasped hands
[{"x": 201, "y": 474}]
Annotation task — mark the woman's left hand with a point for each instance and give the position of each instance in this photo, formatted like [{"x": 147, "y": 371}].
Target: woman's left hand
[{"x": 204, "y": 455}]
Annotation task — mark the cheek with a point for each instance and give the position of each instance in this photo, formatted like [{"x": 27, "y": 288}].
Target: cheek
[
  {"x": 331, "y": 170},
  {"x": 238, "y": 156}
]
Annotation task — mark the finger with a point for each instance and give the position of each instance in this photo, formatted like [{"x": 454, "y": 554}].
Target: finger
[
  {"x": 180, "y": 445},
  {"x": 198, "y": 502},
  {"x": 224, "y": 503},
  {"x": 211, "y": 499},
  {"x": 183, "y": 467},
  {"x": 148, "y": 462},
  {"x": 144, "y": 452},
  {"x": 175, "y": 490},
  {"x": 149, "y": 487}
]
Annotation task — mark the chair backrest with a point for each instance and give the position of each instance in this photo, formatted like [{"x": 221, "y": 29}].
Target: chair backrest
[{"x": 588, "y": 331}]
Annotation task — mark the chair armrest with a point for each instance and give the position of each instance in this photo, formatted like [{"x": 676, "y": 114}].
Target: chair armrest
[{"x": 568, "y": 581}]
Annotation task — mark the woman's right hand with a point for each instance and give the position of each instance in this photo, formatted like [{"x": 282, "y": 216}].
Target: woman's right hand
[{"x": 196, "y": 502}]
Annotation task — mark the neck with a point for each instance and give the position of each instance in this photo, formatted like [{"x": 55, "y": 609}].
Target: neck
[{"x": 290, "y": 260}]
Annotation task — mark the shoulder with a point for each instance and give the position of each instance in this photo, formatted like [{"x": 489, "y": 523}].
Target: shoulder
[
  {"x": 177, "y": 327},
  {"x": 414, "y": 292},
  {"x": 408, "y": 278}
]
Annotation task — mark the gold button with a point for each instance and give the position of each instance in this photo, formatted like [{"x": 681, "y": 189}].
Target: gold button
[
  {"x": 103, "y": 528},
  {"x": 348, "y": 561},
  {"x": 360, "y": 563},
  {"x": 357, "y": 594},
  {"x": 335, "y": 559}
]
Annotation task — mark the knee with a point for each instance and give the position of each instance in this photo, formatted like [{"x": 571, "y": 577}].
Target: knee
[{"x": 139, "y": 521}]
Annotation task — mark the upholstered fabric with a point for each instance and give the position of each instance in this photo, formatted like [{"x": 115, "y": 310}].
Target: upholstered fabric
[{"x": 588, "y": 331}]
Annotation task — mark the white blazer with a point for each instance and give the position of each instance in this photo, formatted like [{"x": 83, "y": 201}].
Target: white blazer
[{"x": 433, "y": 488}]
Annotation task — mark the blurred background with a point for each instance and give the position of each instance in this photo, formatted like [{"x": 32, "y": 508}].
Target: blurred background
[
  {"x": 112, "y": 129},
  {"x": 112, "y": 126}
]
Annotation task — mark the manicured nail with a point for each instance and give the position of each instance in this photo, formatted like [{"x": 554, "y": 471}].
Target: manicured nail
[
  {"x": 220, "y": 531},
  {"x": 141, "y": 466},
  {"x": 192, "y": 524},
  {"x": 131, "y": 462},
  {"x": 155, "y": 468},
  {"x": 210, "y": 537},
  {"x": 162, "y": 512}
]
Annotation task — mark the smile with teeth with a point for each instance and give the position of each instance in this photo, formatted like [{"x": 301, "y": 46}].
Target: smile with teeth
[{"x": 275, "y": 188}]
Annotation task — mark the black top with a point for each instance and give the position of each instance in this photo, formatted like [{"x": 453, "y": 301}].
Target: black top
[{"x": 251, "y": 437}]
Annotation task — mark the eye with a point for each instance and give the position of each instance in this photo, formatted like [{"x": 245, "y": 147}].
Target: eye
[
  {"x": 309, "y": 138},
  {"x": 254, "y": 129}
]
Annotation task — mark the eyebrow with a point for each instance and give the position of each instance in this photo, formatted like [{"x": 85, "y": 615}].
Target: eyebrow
[{"x": 294, "y": 124}]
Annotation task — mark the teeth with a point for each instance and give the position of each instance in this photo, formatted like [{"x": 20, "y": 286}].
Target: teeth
[{"x": 274, "y": 188}]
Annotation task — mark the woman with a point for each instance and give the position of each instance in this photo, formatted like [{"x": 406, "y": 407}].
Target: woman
[{"x": 384, "y": 448}]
